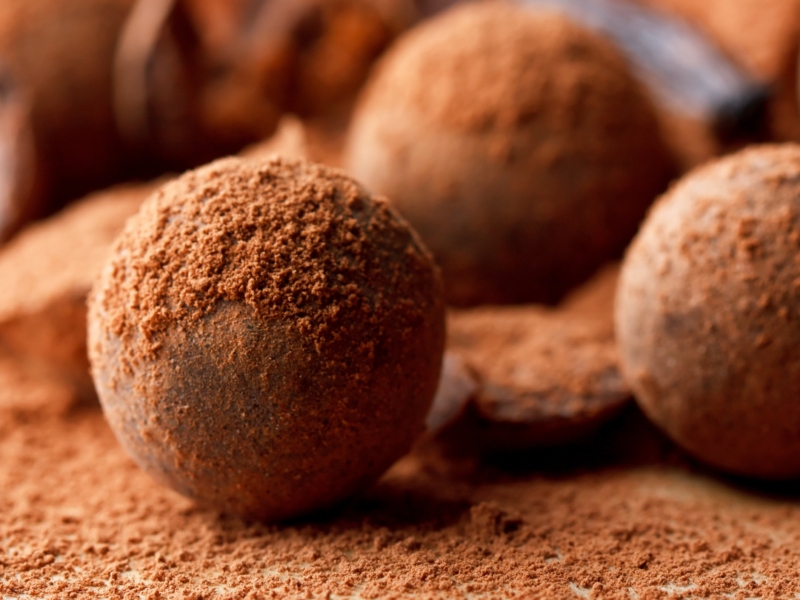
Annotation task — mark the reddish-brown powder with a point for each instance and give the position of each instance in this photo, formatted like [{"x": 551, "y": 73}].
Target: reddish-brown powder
[{"x": 78, "y": 519}]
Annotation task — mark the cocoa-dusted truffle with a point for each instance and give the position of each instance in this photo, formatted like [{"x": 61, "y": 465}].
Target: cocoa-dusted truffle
[
  {"x": 707, "y": 313},
  {"x": 516, "y": 143},
  {"x": 267, "y": 336}
]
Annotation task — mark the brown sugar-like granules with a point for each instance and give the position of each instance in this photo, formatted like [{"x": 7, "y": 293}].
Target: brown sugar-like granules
[
  {"x": 707, "y": 312},
  {"x": 47, "y": 272},
  {"x": 266, "y": 336},
  {"x": 79, "y": 519},
  {"x": 517, "y": 143}
]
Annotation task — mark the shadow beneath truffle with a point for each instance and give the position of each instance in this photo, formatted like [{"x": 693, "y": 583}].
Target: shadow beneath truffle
[{"x": 627, "y": 440}]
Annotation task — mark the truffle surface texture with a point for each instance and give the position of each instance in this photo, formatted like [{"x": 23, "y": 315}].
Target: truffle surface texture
[
  {"x": 267, "y": 337},
  {"x": 517, "y": 144},
  {"x": 707, "y": 313}
]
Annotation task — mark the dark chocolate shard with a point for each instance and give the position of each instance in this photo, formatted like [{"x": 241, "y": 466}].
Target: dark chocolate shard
[{"x": 19, "y": 200}]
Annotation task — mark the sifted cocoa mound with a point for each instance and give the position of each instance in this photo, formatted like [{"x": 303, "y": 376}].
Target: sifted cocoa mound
[
  {"x": 267, "y": 336},
  {"x": 500, "y": 133},
  {"x": 47, "y": 272},
  {"x": 706, "y": 313},
  {"x": 763, "y": 37}
]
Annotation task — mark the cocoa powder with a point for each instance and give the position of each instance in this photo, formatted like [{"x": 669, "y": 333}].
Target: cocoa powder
[{"x": 79, "y": 519}]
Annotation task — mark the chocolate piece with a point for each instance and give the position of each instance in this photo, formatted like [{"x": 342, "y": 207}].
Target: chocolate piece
[
  {"x": 458, "y": 385},
  {"x": 706, "y": 313},
  {"x": 47, "y": 272},
  {"x": 267, "y": 337},
  {"x": 497, "y": 132},
  {"x": 194, "y": 77},
  {"x": 545, "y": 377}
]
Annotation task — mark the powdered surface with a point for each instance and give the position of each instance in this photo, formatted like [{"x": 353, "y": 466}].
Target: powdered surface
[{"x": 79, "y": 519}]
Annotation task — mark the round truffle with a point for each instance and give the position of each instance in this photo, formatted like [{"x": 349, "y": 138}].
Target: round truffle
[
  {"x": 708, "y": 313},
  {"x": 266, "y": 337},
  {"x": 516, "y": 143}
]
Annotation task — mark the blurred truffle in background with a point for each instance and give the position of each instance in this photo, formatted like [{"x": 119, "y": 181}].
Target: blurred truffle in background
[
  {"x": 111, "y": 90},
  {"x": 516, "y": 142}
]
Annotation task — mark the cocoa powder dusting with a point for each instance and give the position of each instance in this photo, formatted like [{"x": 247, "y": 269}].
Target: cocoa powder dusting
[
  {"x": 270, "y": 256},
  {"x": 79, "y": 519}
]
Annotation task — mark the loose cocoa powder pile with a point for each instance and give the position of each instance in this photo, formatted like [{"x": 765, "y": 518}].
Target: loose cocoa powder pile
[{"x": 79, "y": 519}]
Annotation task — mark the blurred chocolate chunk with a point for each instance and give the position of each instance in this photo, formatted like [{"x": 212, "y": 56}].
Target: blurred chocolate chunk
[{"x": 545, "y": 376}]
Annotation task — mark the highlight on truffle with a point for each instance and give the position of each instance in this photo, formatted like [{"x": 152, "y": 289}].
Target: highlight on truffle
[
  {"x": 266, "y": 337},
  {"x": 707, "y": 313},
  {"x": 518, "y": 145}
]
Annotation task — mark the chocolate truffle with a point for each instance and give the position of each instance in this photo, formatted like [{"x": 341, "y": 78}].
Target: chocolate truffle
[
  {"x": 267, "y": 336},
  {"x": 707, "y": 313},
  {"x": 516, "y": 143}
]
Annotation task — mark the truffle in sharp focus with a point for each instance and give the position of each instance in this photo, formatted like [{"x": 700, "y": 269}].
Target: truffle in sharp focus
[
  {"x": 499, "y": 132},
  {"x": 267, "y": 336},
  {"x": 707, "y": 313}
]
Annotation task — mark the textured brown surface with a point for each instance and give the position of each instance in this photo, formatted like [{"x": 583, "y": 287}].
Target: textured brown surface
[
  {"x": 707, "y": 312},
  {"x": 80, "y": 519},
  {"x": 47, "y": 272},
  {"x": 516, "y": 143},
  {"x": 266, "y": 336}
]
